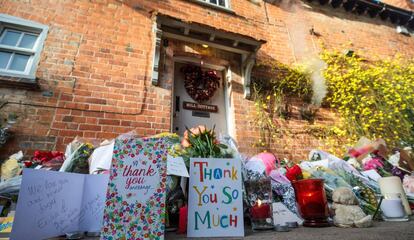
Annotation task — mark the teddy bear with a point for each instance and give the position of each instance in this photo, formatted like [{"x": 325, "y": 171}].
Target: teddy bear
[{"x": 347, "y": 212}]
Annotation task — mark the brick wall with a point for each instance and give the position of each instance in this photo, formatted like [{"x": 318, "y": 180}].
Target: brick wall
[{"x": 95, "y": 69}]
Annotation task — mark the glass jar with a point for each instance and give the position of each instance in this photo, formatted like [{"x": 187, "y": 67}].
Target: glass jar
[
  {"x": 312, "y": 203},
  {"x": 259, "y": 196}
]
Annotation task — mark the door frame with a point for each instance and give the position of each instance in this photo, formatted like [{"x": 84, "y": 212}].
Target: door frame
[{"x": 224, "y": 69}]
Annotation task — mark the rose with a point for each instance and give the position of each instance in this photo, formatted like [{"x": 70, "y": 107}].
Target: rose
[
  {"x": 194, "y": 132},
  {"x": 27, "y": 164},
  {"x": 185, "y": 142},
  {"x": 294, "y": 173},
  {"x": 374, "y": 163}
]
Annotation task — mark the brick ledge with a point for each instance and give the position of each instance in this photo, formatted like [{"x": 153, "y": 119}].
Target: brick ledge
[{"x": 20, "y": 83}]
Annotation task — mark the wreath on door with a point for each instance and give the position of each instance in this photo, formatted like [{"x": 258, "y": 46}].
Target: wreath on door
[{"x": 200, "y": 85}]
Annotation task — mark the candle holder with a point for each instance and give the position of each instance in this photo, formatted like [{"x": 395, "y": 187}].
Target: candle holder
[
  {"x": 393, "y": 209},
  {"x": 312, "y": 203},
  {"x": 393, "y": 185},
  {"x": 259, "y": 195}
]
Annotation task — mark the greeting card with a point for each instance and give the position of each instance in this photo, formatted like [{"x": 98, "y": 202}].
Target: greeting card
[
  {"x": 53, "y": 203},
  {"x": 135, "y": 203}
]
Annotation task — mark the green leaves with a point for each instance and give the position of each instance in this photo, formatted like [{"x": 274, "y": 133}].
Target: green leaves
[{"x": 204, "y": 144}]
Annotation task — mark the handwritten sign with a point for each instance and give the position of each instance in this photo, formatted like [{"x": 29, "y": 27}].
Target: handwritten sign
[
  {"x": 282, "y": 215},
  {"x": 215, "y": 198},
  {"x": 176, "y": 166},
  {"x": 135, "y": 204},
  {"x": 53, "y": 203}
]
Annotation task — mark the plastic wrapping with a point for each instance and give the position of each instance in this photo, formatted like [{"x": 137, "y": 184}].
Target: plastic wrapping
[
  {"x": 10, "y": 168},
  {"x": 101, "y": 158},
  {"x": 77, "y": 161},
  {"x": 11, "y": 187},
  {"x": 282, "y": 189}
]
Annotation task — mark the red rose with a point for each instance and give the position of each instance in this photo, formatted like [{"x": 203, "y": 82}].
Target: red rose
[
  {"x": 37, "y": 154},
  {"x": 294, "y": 173},
  {"x": 28, "y": 164}
]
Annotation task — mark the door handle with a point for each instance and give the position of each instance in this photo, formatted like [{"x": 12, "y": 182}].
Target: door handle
[{"x": 177, "y": 103}]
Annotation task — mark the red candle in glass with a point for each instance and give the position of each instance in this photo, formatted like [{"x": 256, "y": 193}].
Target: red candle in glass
[
  {"x": 312, "y": 203},
  {"x": 260, "y": 210},
  {"x": 182, "y": 222}
]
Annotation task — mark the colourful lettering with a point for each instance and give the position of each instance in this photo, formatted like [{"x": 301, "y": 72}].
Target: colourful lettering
[
  {"x": 233, "y": 221},
  {"x": 201, "y": 169},
  {"x": 227, "y": 173},
  {"x": 207, "y": 173},
  {"x": 228, "y": 195},
  {"x": 203, "y": 221},
  {"x": 221, "y": 222},
  {"x": 233, "y": 173},
  {"x": 218, "y": 173},
  {"x": 199, "y": 194},
  {"x": 128, "y": 171}
]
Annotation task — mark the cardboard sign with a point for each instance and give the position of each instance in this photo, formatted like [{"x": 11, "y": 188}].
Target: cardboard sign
[
  {"x": 215, "y": 198},
  {"x": 54, "y": 203},
  {"x": 282, "y": 215},
  {"x": 135, "y": 204}
]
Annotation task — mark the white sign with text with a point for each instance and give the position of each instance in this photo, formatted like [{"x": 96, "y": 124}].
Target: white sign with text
[
  {"x": 54, "y": 203},
  {"x": 176, "y": 166},
  {"x": 215, "y": 201}
]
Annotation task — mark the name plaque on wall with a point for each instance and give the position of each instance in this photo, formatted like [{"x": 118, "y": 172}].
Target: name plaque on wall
[{"x": 200, "y": 107}]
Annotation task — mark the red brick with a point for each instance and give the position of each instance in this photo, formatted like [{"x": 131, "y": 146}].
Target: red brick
[
  {"x": 105, "y": 78},
  {"x": 109, "y": 122},
  {"x": 89, "y": 127}
]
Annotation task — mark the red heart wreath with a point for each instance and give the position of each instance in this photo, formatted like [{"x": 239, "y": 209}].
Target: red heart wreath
[{"x": 200, "y": 85}]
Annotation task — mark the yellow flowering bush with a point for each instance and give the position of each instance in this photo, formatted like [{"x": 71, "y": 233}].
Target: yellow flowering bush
[{"x": 373, "y": 99}]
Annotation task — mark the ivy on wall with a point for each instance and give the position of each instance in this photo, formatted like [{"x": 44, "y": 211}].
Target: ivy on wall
[{"x": 271, "y": 93}]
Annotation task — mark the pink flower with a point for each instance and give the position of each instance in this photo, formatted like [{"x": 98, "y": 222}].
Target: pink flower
[{"x": 374, "y": 163}]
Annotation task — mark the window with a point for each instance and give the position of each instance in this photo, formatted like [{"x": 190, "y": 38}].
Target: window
[
  {"x": 21, "y": 42},
  {"x": 218, "y": 3}
]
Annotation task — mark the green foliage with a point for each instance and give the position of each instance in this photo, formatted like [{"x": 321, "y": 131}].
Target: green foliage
[
  {"x": 283, "y": 81},
  {"x": 270, "y": 94},
  {"x": 201, "y": 142}
]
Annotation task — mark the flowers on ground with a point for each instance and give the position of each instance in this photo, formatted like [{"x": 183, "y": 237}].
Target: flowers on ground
[{"x": 294, "y": 173}]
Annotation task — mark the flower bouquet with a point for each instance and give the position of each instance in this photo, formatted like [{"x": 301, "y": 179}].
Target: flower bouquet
[
  {"x": 52, "y": 159},
  {"x": 77, "y": 162},
  {"x": 201, "y": 142}
]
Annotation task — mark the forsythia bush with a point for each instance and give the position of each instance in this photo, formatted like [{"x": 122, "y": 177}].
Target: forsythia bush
[{"x": 373, "y": 99}]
